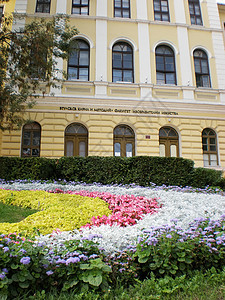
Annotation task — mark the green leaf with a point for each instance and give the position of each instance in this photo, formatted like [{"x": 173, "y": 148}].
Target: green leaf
[
  {"x": 142, "y": 260},
  {"x": 70, "y": 284},
  {"x": 84, "y": 266},
  {"x": 24, "y": 285},
  {"x": 14, "y": 267},
  {"x": 95, "y": 279}
]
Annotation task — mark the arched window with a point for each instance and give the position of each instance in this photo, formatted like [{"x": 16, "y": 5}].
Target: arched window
[
  {"x": 31, "y": 138},
  {"x": 168, "y": 142},
  {"x": 209, "y": 146},
  {"x": 195, "y": 12},
  {"x": 76, "y": 140},
  {"x": 161, "y": 10},
  {"x": 201, "y": 69},
  {"x": 80, "y": 7},
  {"x": 165, "y": 65},
  {"x": 79, "y": 59},
  {"x": 122, "y": 62},
  {"x": 122, "y": 8},
  {"x": 124, "y": 141}
]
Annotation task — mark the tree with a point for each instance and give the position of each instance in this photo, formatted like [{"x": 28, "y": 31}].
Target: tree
[{"x": 28, "y": 64}]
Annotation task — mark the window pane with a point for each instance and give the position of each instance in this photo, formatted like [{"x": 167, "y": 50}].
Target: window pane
[
  {"x": 197, "y": 9},
  {"x": 127, "y": 61},
  {"x": 128, "y": 76},
  {"x": 117, "y": 75},
  {"x": 26, "y": 152},
  {"x": 162, "y": 150},
  {"x": 117, "y": 3},
  {"x": 82, "y": 149},
  {"x": 72, "y": 73},
  {"x": 117, "y": 151},
  {"x": 126, "y": 3},
  {"x": 117, "y": 60},
  {"x": 204, "y": 67},
  {"x": 69, "y": 148},
  {"x": 117, "y": 12},
  {"x": 197, "y": 65},
  {"x": 84, "y": 10},
  {"x": 206, "y": 160},
  {"x": 26, "y": 138},
  {"x": 157, "y": 16},
  {"x": 160, "y": 78},
  {"x": 159, "y": 63},
  {"x": 205, "y": 81},
  {"x": 173, "y": 150},
  {"x": 129, "y": 148},
  {"x": 156, "y": 6},
  {"x": 126, "y": 14},
  {"x": 75, "y": 10},
  {"x": 35, "y": 152},
  {"x": 170, "y": 78},
  {"x": 73, "y": 59},
  {"x": 169, "y": 63},
  {"x": 36, "y": 138},
  {"x": 213, "y": 160},
  {"x": 84, "y": 58},
  {"x": 83, "y": 75},
  {"x": 198, "y": 20}
]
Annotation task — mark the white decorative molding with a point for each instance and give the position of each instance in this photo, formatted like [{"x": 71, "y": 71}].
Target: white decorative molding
[
  {"x": 101, "y": 9},
  {"x": 61, "y": 6},
  {"x": 214, "y": 19},
  {"x": 142, "y": 10},
  {"x": 185, "y": 58},
  {"x": 123, "y": 39},
  {"x": 144, "y": 53},
  {"x": 101, "y": 50},
  {"x": 179, "y": 11},
  {"x": 21, "y": 6}
]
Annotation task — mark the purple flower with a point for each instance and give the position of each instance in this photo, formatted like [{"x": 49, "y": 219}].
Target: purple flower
[
  {"x": 49, "y": 273},
  {"x": 2, "y": 275},
  {"x": 23, "y": 251},
  {"x": 5, "y": 270},
  {"x": 72, "y": 260},
  {"x": 6, "y": 249},
  {"x": 25, "y": 260},
  {"x": 169, "y": 236}
]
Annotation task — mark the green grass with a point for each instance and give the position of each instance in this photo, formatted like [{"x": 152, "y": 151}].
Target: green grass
[
  {"x": 14, "y": 214},
  {"x": 201, "y": 286}
]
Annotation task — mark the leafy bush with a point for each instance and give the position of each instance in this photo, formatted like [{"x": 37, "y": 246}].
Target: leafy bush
[
  {"x": 28, "y": 267},
  {"x": 62, "y": 211},
  {"x": 169, "y": 250},
  {"x": 207, "y": 177},
  {"x": 141, "y": 170},
  {"x": 34, "y": 168}
]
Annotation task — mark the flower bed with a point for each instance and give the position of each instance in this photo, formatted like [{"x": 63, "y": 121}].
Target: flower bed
[{"x": 187, "y": 233}]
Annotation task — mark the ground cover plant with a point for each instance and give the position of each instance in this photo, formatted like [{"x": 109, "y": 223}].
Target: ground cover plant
[
  {"x": 181, "y": 234},
  {"x": 13, "y": 214}
]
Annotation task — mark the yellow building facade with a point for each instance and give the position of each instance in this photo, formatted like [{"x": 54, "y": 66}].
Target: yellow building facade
[{"x": 146, "y": 77}]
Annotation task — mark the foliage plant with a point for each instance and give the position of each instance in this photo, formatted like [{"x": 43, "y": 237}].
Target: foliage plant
[
  {"x": 28, "y": 64},
  {"x": 169, "y": 250},
  {"x": 27, "y": 266},
  {"x": 62, "y": 211}
]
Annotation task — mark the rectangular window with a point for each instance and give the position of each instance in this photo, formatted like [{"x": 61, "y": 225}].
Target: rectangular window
[
  {"x": 195, "y": 12},
  {"x": 43, "y": 6},
  {"x": 80, "y": 7},
  {"x": 122, "y": 8},
  {"x": 1, "y": 13},
  {"x": 161, "y": 10}
]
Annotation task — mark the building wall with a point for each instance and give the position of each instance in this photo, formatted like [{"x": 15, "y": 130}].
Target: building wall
[{"x": 144, "y": 105}]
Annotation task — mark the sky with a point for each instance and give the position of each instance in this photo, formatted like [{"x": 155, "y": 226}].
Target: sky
[{"x": 221, "y": 1}]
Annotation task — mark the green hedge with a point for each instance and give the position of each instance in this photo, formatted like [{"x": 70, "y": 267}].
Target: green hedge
[
  {"x": 27, "y": 168},
  {"x": 140, "y": 170}
]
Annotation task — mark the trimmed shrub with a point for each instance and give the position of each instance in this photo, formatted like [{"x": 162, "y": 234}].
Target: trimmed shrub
[
  {"x": 142, "y": 170},
  {"x": 34, "y": 168}
]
